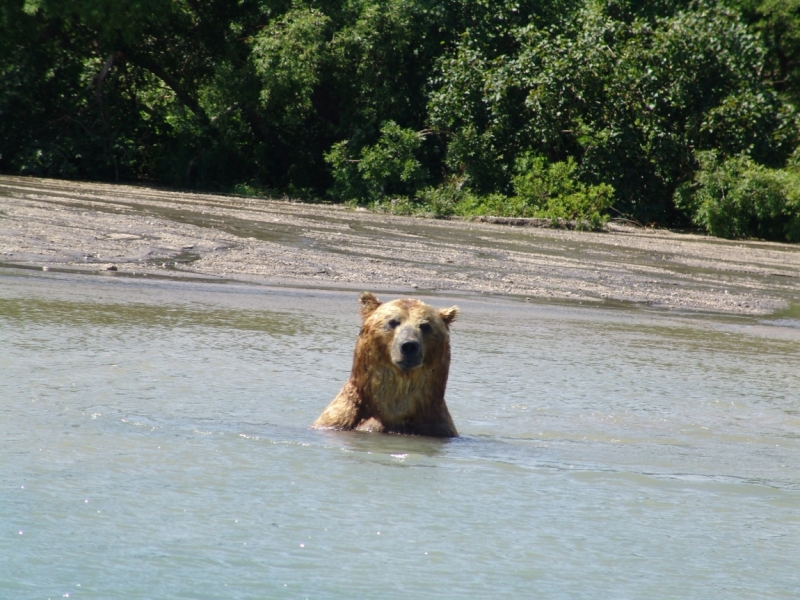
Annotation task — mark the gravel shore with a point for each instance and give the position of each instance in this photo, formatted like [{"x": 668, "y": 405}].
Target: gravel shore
[{"x": 125, "y": 229}]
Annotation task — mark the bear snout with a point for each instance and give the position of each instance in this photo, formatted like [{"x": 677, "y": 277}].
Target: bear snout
[
  {"x": 407, "y": 352},
  {"x": 409, "y": 349}
]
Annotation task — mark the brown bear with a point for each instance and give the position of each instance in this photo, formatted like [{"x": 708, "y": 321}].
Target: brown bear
[{"x": 399, "y": 374}]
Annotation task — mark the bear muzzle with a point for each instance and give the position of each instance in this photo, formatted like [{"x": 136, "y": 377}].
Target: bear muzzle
[{"x": 407, "y": 349}]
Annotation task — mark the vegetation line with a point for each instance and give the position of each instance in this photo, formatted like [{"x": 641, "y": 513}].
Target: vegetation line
[{"x": 672, "y": 112}]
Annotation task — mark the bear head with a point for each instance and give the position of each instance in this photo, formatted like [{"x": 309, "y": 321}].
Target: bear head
[{"x": 410, "y": 334}]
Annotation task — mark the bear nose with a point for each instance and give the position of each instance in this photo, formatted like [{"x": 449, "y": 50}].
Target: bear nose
[{"x": 409, "y": 348}]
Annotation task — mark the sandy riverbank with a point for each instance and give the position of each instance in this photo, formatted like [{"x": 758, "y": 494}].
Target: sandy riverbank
[{"x": 88, "y": 227}]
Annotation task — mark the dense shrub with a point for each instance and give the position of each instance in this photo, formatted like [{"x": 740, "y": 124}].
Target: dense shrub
[
  {"x": 553, "y": 191},
  {"x": 630, "y": 100},
  {"x": 738, "y": 198}
]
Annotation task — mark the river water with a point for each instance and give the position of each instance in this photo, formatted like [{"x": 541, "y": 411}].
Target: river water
[{"x": 154, "y": 444}]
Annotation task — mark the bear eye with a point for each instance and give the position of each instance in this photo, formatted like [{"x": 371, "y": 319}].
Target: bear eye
[
  {"x": 393, "y": 324},
  {"x": 425, "y": 328}
]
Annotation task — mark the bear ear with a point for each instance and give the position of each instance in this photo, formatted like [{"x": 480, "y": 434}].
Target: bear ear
[
  {"x": 368, "y": 304},
  {"x": 449, "y": 315}
]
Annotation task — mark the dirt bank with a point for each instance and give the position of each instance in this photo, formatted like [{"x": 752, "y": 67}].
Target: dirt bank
[{"x": 88, "y": 227}]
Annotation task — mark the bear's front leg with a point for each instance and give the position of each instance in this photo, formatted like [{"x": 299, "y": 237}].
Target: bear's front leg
[{"x": 342, "y": 412}]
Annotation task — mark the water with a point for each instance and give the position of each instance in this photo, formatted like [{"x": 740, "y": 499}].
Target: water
[{"x": 154, "y": 444}]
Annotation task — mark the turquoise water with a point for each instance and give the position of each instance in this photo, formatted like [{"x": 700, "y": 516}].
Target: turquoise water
[{"x": 154, "y": 444}]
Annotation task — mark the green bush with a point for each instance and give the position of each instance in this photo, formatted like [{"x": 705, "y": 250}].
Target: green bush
[
  {"x": 738, "y": 198},
  {"x": 444, "y": 200},
  {"x": 550, "y": 191},
  {"x": 385, "y": 169},
  {"x": 553, "y": 191}
]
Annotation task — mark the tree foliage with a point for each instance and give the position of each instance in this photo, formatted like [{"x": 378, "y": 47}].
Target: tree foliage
[
  {"x": 630, "y": 100},
  {"x": 383, "y": 170},
  {"x": 579, "y": 108}
]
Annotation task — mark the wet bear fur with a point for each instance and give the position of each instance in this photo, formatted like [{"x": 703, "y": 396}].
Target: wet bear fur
[{"x": 399, "y": 374}]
